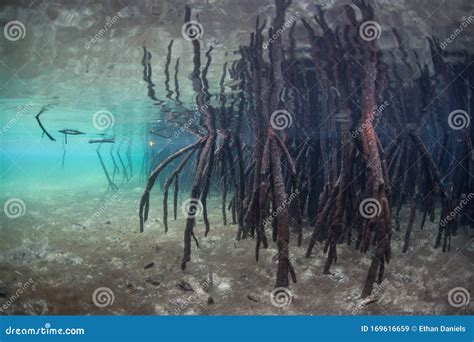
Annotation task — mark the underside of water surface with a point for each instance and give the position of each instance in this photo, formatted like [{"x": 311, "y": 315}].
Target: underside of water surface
[{"x": 227, "y": 157}]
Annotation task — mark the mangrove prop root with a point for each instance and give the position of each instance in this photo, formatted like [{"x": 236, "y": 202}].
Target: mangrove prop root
[
  {"x": 331, "y": 155},
  {"x": 145, "y": 199}
]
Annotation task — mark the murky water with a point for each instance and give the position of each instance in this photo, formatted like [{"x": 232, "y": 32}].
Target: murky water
[{"x": 93, "y": 96}]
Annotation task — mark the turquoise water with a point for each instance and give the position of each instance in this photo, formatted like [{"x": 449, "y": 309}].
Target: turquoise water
[
  {"x": 31, "y": 162},
  {"x": 88, "y": 87}
]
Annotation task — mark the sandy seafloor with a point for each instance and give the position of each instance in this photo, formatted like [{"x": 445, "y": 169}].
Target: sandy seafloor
[{"x": 68, "y": 258}]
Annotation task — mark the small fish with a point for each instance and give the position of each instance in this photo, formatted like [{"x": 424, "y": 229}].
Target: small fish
[
  {"x": 232, "y": 58},
  {"x": 252, "y": 298},
  {"x": 232, "y": 92},
  {"x": 100, "y": 141},
  {"x": 150, "y": 265},
  {"x": 153, "y": 281},
  {"x": 232, "y": 83},
  {"x": 185, "y": 286}
]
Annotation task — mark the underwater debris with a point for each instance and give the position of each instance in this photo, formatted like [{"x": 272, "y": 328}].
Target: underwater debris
[{"x": 79, "y": 225}]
